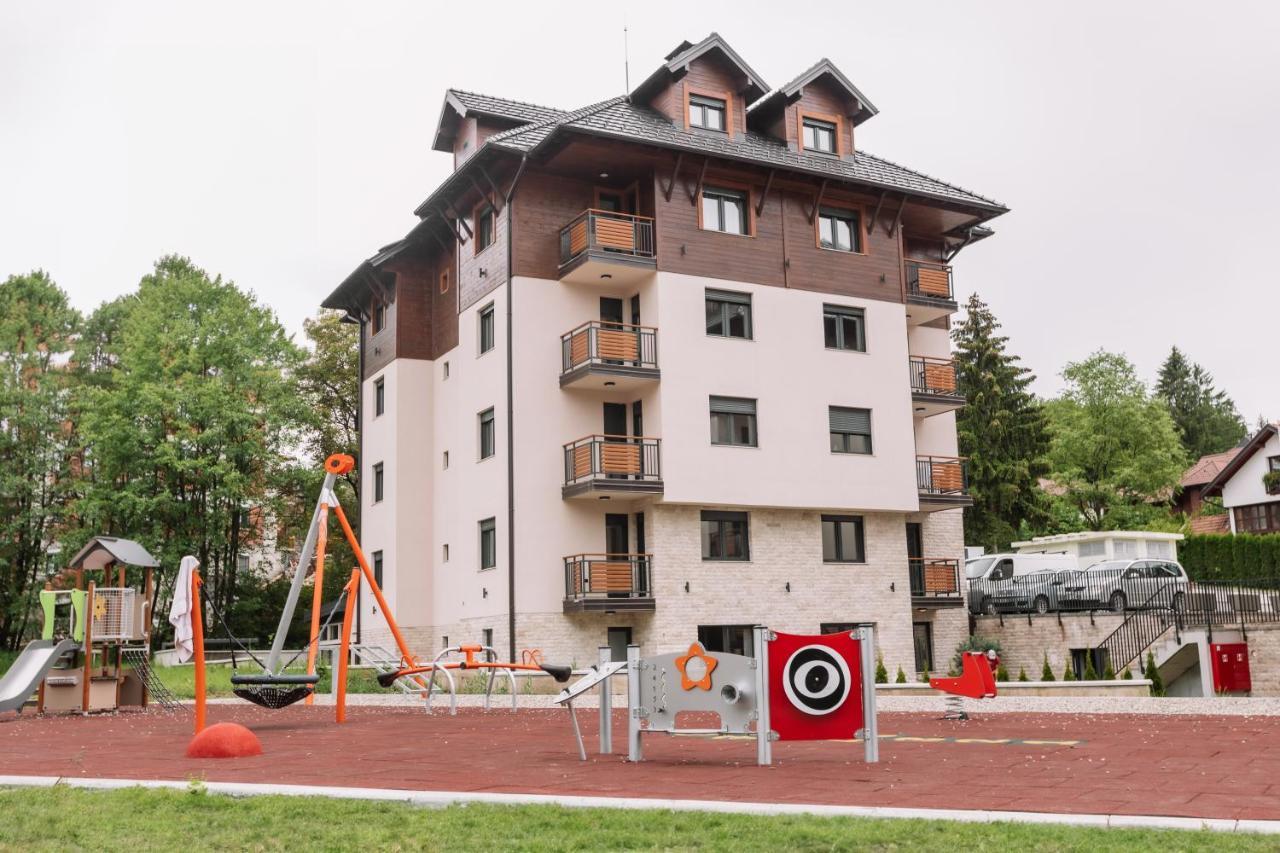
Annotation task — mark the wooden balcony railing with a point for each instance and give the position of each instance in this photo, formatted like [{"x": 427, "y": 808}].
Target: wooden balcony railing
[
  {"x": 633, "y": 458},
  {"x": 933, "y": 376},
  {"x": 933, "y": 577},
  {"x": 603, "y": 231},
  {"x": 607, "y": 576},
  {"x": 929, "y": 280},
  {"x": 942, "y": 475},
  {"x": 616, "y": 344}
]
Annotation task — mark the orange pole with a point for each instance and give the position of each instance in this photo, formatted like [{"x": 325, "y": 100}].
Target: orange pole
[
  {"x": 344, "y": 649},
  {"x": 197, "y": 641},
  {"x": 317, "y": 594},
  {"x": 373, "y": 585}
]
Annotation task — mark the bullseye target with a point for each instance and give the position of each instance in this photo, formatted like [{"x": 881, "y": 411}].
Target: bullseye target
[{"x": 816, "y": 680}]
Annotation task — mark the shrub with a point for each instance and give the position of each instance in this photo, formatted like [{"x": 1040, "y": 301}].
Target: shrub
[
  {"x": 882, "y": 674},
  {"x": 1002, "y": 674},
  {"x": 1153, "y": 673},
  {"x": 1126, "y": 675},
  {"x": 1069, "y": 672},
  {"x": 973, "y": 643},
  {"x": 1022, "y": 674},
  {"x": 1245, "y": 556},
  {"x": 924, "y": 676},
  {"x": 1090, "y": 674},
  {"x": 902, "y": 676},
  {"x": 1109, "y": 672},
  {"x": 1046, "y": 674}
]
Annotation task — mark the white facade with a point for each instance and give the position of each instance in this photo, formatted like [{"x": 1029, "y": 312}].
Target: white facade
[
  {"x": 1245, "y": 488},
  {"x": 1094, "y": 547}
]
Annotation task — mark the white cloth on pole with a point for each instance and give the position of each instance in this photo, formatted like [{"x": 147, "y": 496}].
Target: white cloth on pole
[{"x": 180, "y": 610}]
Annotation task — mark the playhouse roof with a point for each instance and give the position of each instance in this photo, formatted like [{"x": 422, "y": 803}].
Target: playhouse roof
[{"x": 101, "y": 551}]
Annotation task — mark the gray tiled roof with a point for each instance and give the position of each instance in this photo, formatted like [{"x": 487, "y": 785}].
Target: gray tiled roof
[
  {"x": 518, "y": 110},
  {"x": 619, "y": 119}
]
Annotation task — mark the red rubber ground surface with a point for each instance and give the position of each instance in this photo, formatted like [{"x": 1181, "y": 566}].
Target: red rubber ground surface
[{"x": 1226, "y": 767}]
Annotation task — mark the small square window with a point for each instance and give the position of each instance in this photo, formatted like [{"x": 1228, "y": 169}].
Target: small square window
[
  {"x": 842, "y": 539},
  {"x": 379, "y": 398},
  {"x": 444, "y": 282},
  {"x": 819, "y": 135},
  {"x": 838, "y": 229},
  {"x": 378, "y": 483},
  {"x": 844, "y": 328},
  {"x": 725, "y": 210},
  {"x": 707, "y": 113},
  {"x": 487, "y": 637},
  {"x": 486, "y": 433},
  {"x": 725, "y": 536},
  {"x": 850, "y": 430},
  {"x": 446, "y": 552},
  {"x": 729, "y": 314},
  {"x": 488, "y": 543},
  {"x": 486, "y": 328},
  {"x": 733, "y": 421},
  {"x": 484, "y": 227},
  {"x": 445, "y": 370}
]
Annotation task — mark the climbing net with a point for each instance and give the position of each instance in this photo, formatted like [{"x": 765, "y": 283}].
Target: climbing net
[{"x": 139, "y": 658}]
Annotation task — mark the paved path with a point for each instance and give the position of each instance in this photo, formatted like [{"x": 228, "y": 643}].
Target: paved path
[{"x": 1192, "y": 766}]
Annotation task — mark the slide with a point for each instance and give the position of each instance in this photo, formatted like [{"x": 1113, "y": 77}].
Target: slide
[{"x": 22, "y": 679}]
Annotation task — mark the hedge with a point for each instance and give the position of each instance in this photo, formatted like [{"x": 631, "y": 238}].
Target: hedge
[{"x": 1221, "y": 556}]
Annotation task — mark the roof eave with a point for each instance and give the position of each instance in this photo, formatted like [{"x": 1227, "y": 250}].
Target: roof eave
[{"x": 1229, "y": 470}]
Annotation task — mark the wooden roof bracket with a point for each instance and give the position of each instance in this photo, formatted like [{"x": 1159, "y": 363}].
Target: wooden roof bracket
[
  {"x": 459, "y": 218},
  {"x": 871, "y": 223},
  {"x": 377, "y": 286},
  {"x": 702, "y": 176},
  {"x": 484, "y": 194},
  {"x": 498, "y": 194},
  {"x": 453, "y": 229},
  {"x": 817, "y": 202},
  {"x": 764, "y": 196},
  {"x": 675, "y": 173},
  {"x": 897, "y": 220},
  {"x": 968, "y": 238}
]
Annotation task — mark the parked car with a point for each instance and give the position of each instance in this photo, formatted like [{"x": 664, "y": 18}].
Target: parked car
[
  {"x": 991, "y": 577},
  {"x": 1075, "y": 589},
  {"x": 1139, "y": 584},
  {"x": 1024, "y": 594}
]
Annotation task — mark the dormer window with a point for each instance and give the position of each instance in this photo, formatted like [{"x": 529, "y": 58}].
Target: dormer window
[
  {"x": 819, "y": 135},
  {"x": 707, "y": 113}
]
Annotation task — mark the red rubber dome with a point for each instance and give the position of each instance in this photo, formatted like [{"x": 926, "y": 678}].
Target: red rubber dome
[{"x": 224, "y": 740}]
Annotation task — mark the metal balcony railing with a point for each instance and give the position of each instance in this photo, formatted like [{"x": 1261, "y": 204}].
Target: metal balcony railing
[
  {"x": 589, "y": 576},
  {"x": 933, "y": 376},
  {"x": 620, "y": 457},
  {"x": 933, "y": 577},
  {"x": 613, "y": 344},
  {"x": 606, "y": 232},
  {"x": 928, "y": 280},
  {"x": 942, "y": 475}
]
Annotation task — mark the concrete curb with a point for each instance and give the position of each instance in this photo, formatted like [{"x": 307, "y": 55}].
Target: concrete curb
[{"x": 440, "y": 799}]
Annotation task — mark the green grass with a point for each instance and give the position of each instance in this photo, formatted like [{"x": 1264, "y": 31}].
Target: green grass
[
  {"x": 181, "y": 681},
  {"x": 136, "y": 819}
]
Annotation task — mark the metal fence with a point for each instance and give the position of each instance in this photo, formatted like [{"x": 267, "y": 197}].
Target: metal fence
[
  {"x": 610, "y": 344},
  {"x": 607, "y": 576}
]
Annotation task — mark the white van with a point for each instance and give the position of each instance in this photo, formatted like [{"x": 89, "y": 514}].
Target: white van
[{"x": 988, "y": 576}]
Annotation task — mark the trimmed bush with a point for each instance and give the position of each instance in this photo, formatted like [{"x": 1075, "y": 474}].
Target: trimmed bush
[
  {"x": 1069, "y": 672},
  {"x": 1090, "y": 674},
  {"x": 882, "y": 674},
  {"x": 1002, "y": 674},
  {"x": 1109, "y": 672},
  {"x": 1221, "y": 556},
  {"x": 1153, "y": 672},
  {"x": 1022, "y": 674},
  {"x": 1046, "y": 674},
  {"x": 1127, "y": 675},
  {"x": 902, "y": 676}
]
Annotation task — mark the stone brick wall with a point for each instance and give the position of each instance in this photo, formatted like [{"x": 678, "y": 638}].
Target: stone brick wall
[
  {"x": 1024, "y": 643},
  {"x": 1264, "y": 660}
]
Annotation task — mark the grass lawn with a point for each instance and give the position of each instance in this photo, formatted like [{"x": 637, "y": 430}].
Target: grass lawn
[
  {"x": 181, "y": 680},
  {"x": 136, "y": 819}
]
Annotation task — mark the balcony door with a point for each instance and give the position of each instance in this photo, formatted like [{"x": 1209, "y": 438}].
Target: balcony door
[
  {"x": 915, "y": 556},
  {"x": 616, "y": 201},
  {"x": 617, "y": 545}
]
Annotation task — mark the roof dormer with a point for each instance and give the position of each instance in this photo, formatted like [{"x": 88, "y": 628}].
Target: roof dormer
[
  {"x": 704, "y": 87},
  {"x": 815, "y": 113},
  {"x": 467, "y": 119}
]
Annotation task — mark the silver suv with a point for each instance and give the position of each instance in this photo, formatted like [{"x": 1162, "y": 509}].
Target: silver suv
[{"x": 1139, "y": 584}]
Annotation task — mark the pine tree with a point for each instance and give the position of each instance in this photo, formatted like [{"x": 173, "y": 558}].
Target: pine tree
[
  {"x": 1206, "y": 418},
  {"x": 1108, "y": 671},
  {"x": 1090, "y": 674},
  {"x": 1046, "y": 673},
  {"x": 901, "y": 677},
  {"x": 1069, "y": 672},
  {"x": 1022, "y": 674},
  {"x": 1002, "y": 674},
  {"x": 1001, "y": 429},
  {"x": 1153, "y": 672},
  {"x": 1127, "y": 675},
  {"x": 882, "y": 674}
]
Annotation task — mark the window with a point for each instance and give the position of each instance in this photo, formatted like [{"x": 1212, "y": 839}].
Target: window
[
  {"x": 488, "y": 543},
  {"x": 842, "y": 539},
  {"x": 444, "y": 641},
  {"x": 1079, "y": 656},
  {"x": 1093, "y": 549},
  {"x": 379, "y": 398},
  {"x": 486, "y": 433},
  {"x": 379, "y": 317},
  {"x": 724, "y": 536},
  {"x": 844, "y": 328},
  {"x": 378, "y": 482},
  {"x": 445, "y": 370},
  {"x": 733, "y": 421},
  {"x": 724, "y": 210},
  {"x": 445, "y": 552},
  {"x": 618, "y": 640},
  {"x": 1273, "y": 463},
  {"x": 850, "y": 430},
  {"x": 729, "y": 314},
  {"x": 922, "y": 635},
  {"x": 838, "y": 230},
  {"x": 819, "y": 135},
  {"x": 484, "y": 228},
  {"x": 707, "y": 113},
  {"x": 377, "y": 568},
  {"x": 1258, "y": 518},
  {"x": 1122, "y": 548},
  {"x": 487, "y": 637},
  {"x": 1160, "y": 549},
  {"x": 486, "y": 328},
  {"x": 444, "y": 461},
  {"x": 444, "y": 282},
  {"x": 242, "y": 563},
  {"x": 727, "y": 639}
]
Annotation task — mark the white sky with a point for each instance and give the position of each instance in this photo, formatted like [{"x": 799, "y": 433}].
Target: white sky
[{"x": 280, "y": 143}]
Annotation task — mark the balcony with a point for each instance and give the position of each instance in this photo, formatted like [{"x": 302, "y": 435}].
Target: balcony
[
  {"x": 608, "y": 356},
  {"x": 935, "y": 582},
  {"x": 930, "y": 295},
  {"x": 612, "y": 466},
  {"x": 934, "y": 389},
  {"x": 607, "y": 583},
  {"x": 943, "y": 482},
  {"x": 604, "y": 248}
]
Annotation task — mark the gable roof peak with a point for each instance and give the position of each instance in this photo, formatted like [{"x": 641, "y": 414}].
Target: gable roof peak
[
  {"x": 686, "y": 52},
  {"x": 824, "y": 67}
]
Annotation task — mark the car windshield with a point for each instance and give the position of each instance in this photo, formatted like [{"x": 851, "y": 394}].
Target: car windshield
[
  {"x": 1110, "y": 566},
  {"x": 978, "y": 566}
]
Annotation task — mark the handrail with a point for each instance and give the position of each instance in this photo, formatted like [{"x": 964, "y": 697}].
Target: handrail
[
  {"x": 932, "y": 288},
  {"x": 940, "y": 265},
  {"x": 927, "y": 476},
  {"x": 918, "y": 575},
  {"x": 619, "y": 459},
  {"x": 632, "y": 582},
  {"x": 608, "y": 324},
  {"x": 931, "y": 359},
  {"x": 590, "y": 554},
  {"x": 621, "y": 235},
  {"x": 629, "y": 439},
  {"x": 617, "y": 214},
  {"x": 619, "y": 345},
  {"x": 927, "y": 375}
]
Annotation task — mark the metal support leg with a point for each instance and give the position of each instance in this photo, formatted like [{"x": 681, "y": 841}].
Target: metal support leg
[
  {"x": 606, "y": 705},
  {"x": 577, "y": 732},
  {"x": 634, "y": 751},
  {"x": 764, "y": 748},
  {"x": 870, "y": 726},
  {"x": 299, "y": 575}
]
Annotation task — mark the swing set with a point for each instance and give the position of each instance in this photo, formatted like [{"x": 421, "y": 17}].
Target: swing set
[{"x": 274, "y": 687}]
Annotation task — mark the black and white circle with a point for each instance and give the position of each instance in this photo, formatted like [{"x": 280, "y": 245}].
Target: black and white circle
[{"x": 816, "y": 680}]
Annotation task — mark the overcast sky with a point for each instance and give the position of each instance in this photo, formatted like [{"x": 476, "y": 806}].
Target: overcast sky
[{"x": 280, "y": 143}]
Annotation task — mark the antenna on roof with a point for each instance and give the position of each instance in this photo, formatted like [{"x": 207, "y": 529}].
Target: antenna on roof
[{"x": 626, "y": 57}]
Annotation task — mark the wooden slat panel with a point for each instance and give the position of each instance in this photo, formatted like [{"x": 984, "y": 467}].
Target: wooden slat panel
[
  {"x": 577, "y": 237},
  {"x": 947, "y": 476},
  {"x": 578, "y": 348},
  {"x": 940, "y": 580},
  {"x": 939, "y": 377},
  {"x": 581, "y": 461},
  {"x": 611, "y": 577},
  {"x": 935, "y": 282},
  {"x": 615, "y": 234},
  {"x": 620, "y": 346},
  {"x": 620, "y": 458},
  {"x": 575, "y": 572}
]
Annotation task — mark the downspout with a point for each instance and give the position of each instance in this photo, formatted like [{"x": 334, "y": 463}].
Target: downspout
[
  {"x": 359, "y": 469},
  {"x": 511, "y": 433}
]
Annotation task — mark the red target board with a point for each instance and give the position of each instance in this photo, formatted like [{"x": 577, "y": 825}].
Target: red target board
[{"x": 815, "y": 686}]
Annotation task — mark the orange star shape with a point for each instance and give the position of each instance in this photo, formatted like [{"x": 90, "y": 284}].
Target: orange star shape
[{"x": 708, "y": 663}]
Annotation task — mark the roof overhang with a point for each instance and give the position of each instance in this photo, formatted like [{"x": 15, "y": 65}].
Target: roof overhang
[
  {"x": 102, "y": 551},
  {"x": 678, "y": 62},
  {"x": 1228, "y": 471},
  {"x": 859, "y": 105}
]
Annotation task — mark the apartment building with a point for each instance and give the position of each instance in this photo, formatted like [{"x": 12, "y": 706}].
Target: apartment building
[{"x": 665, "y": 367}]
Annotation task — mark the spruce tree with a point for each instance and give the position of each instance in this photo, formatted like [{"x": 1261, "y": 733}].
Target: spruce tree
[
  {"x": 1046, "y": 672},
  {"x": 1090, "y": 674},
  {"x": 1069, "y": 672},
  {"x": 1153, "y": 672},
  {"x": 882, "y": 674},
  {"x": 1206, "y": 418},
  {"x": 1001, "y": 429},
  {"x": 1022, "y": 674},
  {"x": 901, "y": 677}
]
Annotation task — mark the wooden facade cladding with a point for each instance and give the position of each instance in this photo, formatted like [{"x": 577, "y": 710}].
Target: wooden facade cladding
[
  {"x": 422, "y": 322},
  {"x": 544, "y": 204},
  {"x": 480, "y": 274},
  {"x": 709, "y": 76},
  {"x": 380, "y": 348},
  {"x": 822, "y": 101}
]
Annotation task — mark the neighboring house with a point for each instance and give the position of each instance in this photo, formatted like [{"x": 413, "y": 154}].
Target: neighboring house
[
  {"x": 1252, "y": 505},
  {"x": 663, "y": 368},
  {"x": 1095, "y": 546},
  {"x": 1190, "y": 497}
]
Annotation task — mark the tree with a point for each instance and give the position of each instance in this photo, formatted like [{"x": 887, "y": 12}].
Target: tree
[
  {"x": 1206, "y": 418},
  {"x": 37, "y": 326},
  {"x": 1001, "y": 429},
  {"x": 1114, "y": 446},
  {"x": 1152, "y": 672},
  {"x": 1046, "y": 672},
  {"x": 882, "y": 674},
  {"x": 1022, "y": 674}
]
